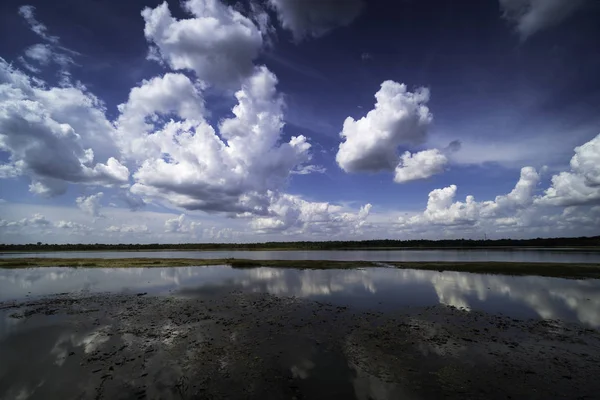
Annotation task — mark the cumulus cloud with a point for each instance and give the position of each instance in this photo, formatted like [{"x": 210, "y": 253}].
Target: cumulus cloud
[
  {"x": 521, "y": 196},
  {"x": 241, "y": 164},
  {"x": 443, "y": 210},
  {"x": 399, "y": 118},
  {"x": 582, "y": 184},
  {"x": 73, "y": 228},
  {"x": 532, "y": 16},
  {"x": 52, "y": 135},
  {"x": 174, "y": 224},
  {"x": 421, "y": 165},
  {"x": 124, "y": 228},
  {"x": 164, "y": 95},
  {"x": 315, "y": 18},
  {"x": 90, "y": 204},
  {"x": 189, "y": 165},
  {"x": 36, "y": 220},
  {"x": 569, "y": 206},
  {"x": 180, "y": 224},
  {"x": 295, "y": 215},
  {"x": 218, "y": 43},
  {"x": 61, "y": 135}
]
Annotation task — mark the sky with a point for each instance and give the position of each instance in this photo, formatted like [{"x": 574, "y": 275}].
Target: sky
[{"x": 283, "y": 120}]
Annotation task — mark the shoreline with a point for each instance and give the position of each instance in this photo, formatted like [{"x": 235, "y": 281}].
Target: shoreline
[
  {"x": 591, "y": 249},
  {"x": 558, "y": 270}
]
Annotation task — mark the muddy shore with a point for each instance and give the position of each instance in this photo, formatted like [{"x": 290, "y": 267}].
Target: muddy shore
[
  {"x": 235, "y": 345},
  {"x": 562, "y": 270}
]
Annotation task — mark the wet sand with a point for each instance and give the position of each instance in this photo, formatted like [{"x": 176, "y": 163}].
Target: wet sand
[{"x": 234, "y": 345}]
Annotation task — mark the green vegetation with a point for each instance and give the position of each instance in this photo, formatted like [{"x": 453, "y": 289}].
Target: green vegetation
[
  {"x": 300, "y": 264},
  {"x": 172, "y": 262},
  {"x": 591, "y": 243},
  {"x": 107, "y": 262},
  {"x": 576, "y": 271}
]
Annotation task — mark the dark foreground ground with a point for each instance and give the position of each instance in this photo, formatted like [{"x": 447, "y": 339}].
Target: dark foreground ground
[{"x": 257, "y": 346}]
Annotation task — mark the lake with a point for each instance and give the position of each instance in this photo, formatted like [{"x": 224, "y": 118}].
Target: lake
[
  {"x": 372, "y": 333},
  {"x": 375, "y": 288},
  {"x": 519, "y": 255}
]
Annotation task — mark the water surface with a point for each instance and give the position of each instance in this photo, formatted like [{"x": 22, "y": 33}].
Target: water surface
[
  {"x": 450, "y": 255},
  {"x": 378, "y": 288}
]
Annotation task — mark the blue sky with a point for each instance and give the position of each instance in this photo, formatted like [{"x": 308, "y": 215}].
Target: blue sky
[{"x": 208, "y": 120}]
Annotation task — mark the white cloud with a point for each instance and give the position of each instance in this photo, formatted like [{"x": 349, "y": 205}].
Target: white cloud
[
  {"x": 175, "y": 224},
  {"x": 295, "y": 215},
  {"x": 91, "y": 204},
  {"x": 53, "y": 135},
  {"x": 28, "y": 13},
  {"x": 44, "y": 54},
  {"x": 443, "y": 210},
  {"x": 575, "y": 194},
  {"x": 73, "y": 228},
  {"x": 218, "y": 44},
  {"x": 119, "y": 225},
  {"x": 240, "y": 166},
  {"x": 569, "y": 189},
  {"x": 399, "y": 118},
  {"x": 189, "y": 165},
  {"x": 168, "y": 94},
  {"x": 181, "y": 225},
  {"x": 124, "y": 228},
  {"x": 531, "y": 16},
  {"x": 586, "y": 162},
  {"x": 421, "y": 165},
  {"x": 41, "y": 53},
  {"x": 309, "y": 169},
  {"x": 582, "y": 184},
  {"x": 161, "y": 130},
  {"x": 315, "y": 18},
  {"x": 36, "y": 220}
]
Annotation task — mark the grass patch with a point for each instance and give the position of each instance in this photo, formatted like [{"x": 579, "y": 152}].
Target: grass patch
[
  {"x": 562, "y": 270},
  {"x": 174, "y": 262},
  {"x": 105, "y": 262},
  {"x": 300, "y": 264}
]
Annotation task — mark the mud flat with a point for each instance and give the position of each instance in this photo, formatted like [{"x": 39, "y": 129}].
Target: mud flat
[
  {"x": 563, "y": 270},
  {"x": 235, "y": 345}
]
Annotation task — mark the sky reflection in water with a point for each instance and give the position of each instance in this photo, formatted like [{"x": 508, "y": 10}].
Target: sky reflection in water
[
  {"x": 382, "y": 288},
  {"x": 450, "y": 255}
]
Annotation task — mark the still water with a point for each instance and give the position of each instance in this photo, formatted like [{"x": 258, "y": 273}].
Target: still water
[
  {"x": 379, "y": 288},
  {"x": 521, "y": 255}
]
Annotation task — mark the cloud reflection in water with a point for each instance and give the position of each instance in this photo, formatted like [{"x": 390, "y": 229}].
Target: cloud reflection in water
[{"x": 386, "y": 288}]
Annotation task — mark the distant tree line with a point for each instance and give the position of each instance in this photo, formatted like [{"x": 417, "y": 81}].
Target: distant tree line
[{"x": 330, "y": 245}]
